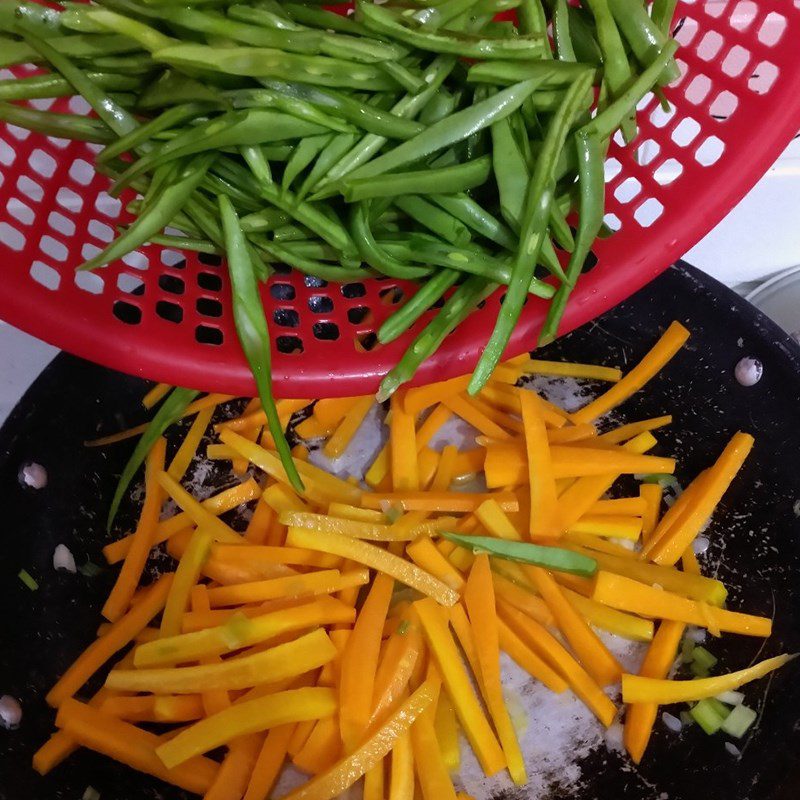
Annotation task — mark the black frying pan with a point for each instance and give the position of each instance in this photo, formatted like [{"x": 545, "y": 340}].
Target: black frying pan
[{"x": 756, "y": 533}]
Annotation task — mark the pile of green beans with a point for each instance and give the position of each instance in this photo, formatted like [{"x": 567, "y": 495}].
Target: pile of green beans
[{"x": 415, "y": 139}]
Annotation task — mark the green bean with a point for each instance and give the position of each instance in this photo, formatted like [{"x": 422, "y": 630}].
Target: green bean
[
  {"x": 510, "y": 172},
  {"x": 533, "y": 229},
  {"x": 583, "y": 38},
  {"x": 532, "y": 19},
  {"x": 265, "y": 220},
  {"x": 327, "y": 20},
  {"x": 263, "y": 62},
  {"x": 662, "y": 12},
  {"x": 591, "y": 184},
  {"x": 244, "y": 202},
  {"x": 34, "y": 17},
  {"x": 330, "y": 154},
  {"x": 136, "y": 64},
  {"x": 455, "y": 310},
  {"x": 372, "y": 253},
  {"x": 282, "y": 253},
  {"x": 148, "y": 37},
  {"x": 36, "y": 87},
  {"x": 182, "y": 242},
  {"x": 259, "y": 15},
  {"x": 251, "y": 330},
  {"x": 170, "y": 88},
  {"x": 305, "y": 152},
  {"x": 62, "y": 126},
  {"x": 560, "y": 230},
  {"x": 435, "y": 219},
  {"x": 367, "y": 117},
  {"x": 457, "y": 178},
  {"x": 552, "y": 558},
  {"x": 433, "y": 17},
  {"x": 428, "y": 293},
  {"x": 410, "y": 80},
  {"x": 449, "y": 131},
  {"x": 168, "y": 413},
  {"x": 551, "y": 74},
  {"x": 561, "y": 33},
  {"x": 383, "y": 21},
  {"x": 441, "y": 105},
  {"x": 466, "y": 210}
]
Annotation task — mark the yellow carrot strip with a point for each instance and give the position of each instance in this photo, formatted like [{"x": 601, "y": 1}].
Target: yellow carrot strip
[
  {"x": 588, "y": 371},
  {"x": 373, "y": 531},
  {"x": 269, "y": 763},
  {"x": 121, "y": 633},
  {"x": 479, "y": 599},
  {"x": 186, "y": 576},
  {"x": 332, "y": 410},
  {"x": 620, "y": 592},
  {"x": 257, "y": 555},
  {"x": 257, "y": 418},
  {"x": 527, "y": 660},
  {"x": 651, "y": 494},
  {"x": 466, "y": 639},
  {"x": 240, "y": 631},
  {"x": 427, "y": 464},
  {"x": 628, "y": 626},
  {"x": 374, "y": 783},
  {"x": 540, "y": 466},
  {"x": 424, "y": 554},
  {"x": 625, "y": 432},
  {"x": 463, "y": 408},
  {"x": 636, "y": 689},
  {"x": 319, "y": 483},
  {"x": 616, "y": 526},
  {"x": 155, "y": 708},
  {"x": 495, "y": 520},
  {"x": 312, "y": 583},
  {"x": 129, "y": 576},
  {"x": 591, "y": 652},
  {"x": 220, "y": 452},
  {"x": 347, "y": 428},
  {"x": 355, "y": 513},
  {"x": 419, "y": 398},
  {"x": 520, "y": 598},
  {"x": 507, "y": 398},
  {"x": 550, "y": 650},
  {"x": 401, "y": 779},
  {"x": 443, "y": 502},
  {"x": 596, "y": 543},
  {"x": 657, "y": 663},
  {"x": 401, "y": 655},
  {"x": 662, "y": 352},
  {"x": 322, "y": 748},
  {"x": 374, "y": 557},
  {"x": 155, "y": 394},
  {"x": 335, "y": 781},
  {"x": 625, "y": 506},
  {"x": 186, "y": 452},
  {"x": 468, "y": 462},
  {"x": 293, "y": 705},
  {"x": 217, "y": 699},
  {"x": 281, "y": 497},
  {"x": 666, "y": 545},
  {"x": 572, "y": 433},
  {"x": 402, "y": 449},
  {"x": 498, "y": 416},
  {"x": 379, "y": 469},
  {"x": 456, "y": 680},
  {"x": 446, "y": 729},
  {"x": 131, "y": 745},
  {"x": 433, "y": 422},
  {"x": 283, "y": 661},
  {"x": 689, "y": 561},
  {"x": 585, "y": 492},
  {"x": 313, "y": 428},
  {"x": 302, "y": 732},
  {"x": 217, "y": 504},
  {"x": 432, "y": 773},
  {"x": 359, "y": 663},
  {"x": 234, "y": 773}
]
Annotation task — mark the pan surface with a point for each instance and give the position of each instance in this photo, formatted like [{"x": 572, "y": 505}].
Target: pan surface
[{"x": 755, "y": 542}]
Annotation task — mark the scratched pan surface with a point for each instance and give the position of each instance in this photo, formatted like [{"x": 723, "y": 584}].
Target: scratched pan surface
[{"x": 755, "y": 542}]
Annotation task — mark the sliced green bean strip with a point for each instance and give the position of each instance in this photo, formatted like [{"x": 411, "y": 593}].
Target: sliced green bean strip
[
  {"x": 260, "y": 15},
  {"x": 170, "y": 87},
  {"x": 182, "y": 243},
  {"x": 263, "y": 62},
  {"x": 305, "y": 152},
  {"x": 532, "y": 19},
  {"x": 435, "y": 219},
  {"x": 251, "y": 329},
  {"x": 466, "y": 210},
  {"x": 290, "y": 233},
  {"x": 510, "y": 172},
  {"x": 168, "y": 413},
  {"x": 591, "y": 185},
  {"x": 560, "y": 230},
  {"x": 583, "y": 37},
  {"x": 367, "y": 117},
  {"x": 552, "y": 558},
  {"x": 411, "y": 81},
  {"x": 283, "y": 253},
  {"x": 265, "y": 98},
  {"x": 441, "y": 105},
  {"x": 533, "y": 230},
  {"x": 449, "y": 131},
  {"x": 551, "y": 74},
  {"x": 327, "y": 20},
  {"x": 662, "y": 12},
  {"x": 148, "y": 37},
  {"x": 34, "y": 17},
  {"x": 456, "y": 309},
  {"x": 561, "y": 32},
  {"x": 382, "y": 20},
  {"x": 435, "y": 16},
  {"x": 430, "y": 291},
  {"x": 265, "y": 220},
  {"x": 62, "y": 126},
  {"x": 332, "y": 152},
  {"x": 458, "y": 178},
  {"x": 35, "y": 87}
]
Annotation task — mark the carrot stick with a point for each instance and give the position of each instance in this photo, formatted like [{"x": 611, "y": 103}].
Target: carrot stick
[
  {"x": 121, "y": 633},
  {"x": 457, "y": 502},
  {"x": 520, "y": 598},
  {"x": 131, "y": 746},
  {"x": 128, "y": 579},
  {"x": 625, "y": 506},
  {"x": 588, "y": 371},
  {"x": 186, "y": 576},
  {"x": 260, "y": 523},
  {"x": 401, "y": 655},
  {"x": 322, "y": 748},
  {"x": 335, "y": 781},
  {"x": 626, "y": 432},
  {"x": 433, "y": 422},
  {"x": 159, "y": 391},
  {"x": 658, "y": 661},
  {"x": 466, "y": 639},
  {"x": 404, "y": 529},
  {"x": 572, "y": 433},
  {"x": 373, "y": 783},
  {"x": 455, "y": 679},
  {"x": 268, "y": 763},
  {"x": 419, "y": 398},
  {"x": 188, "y": 448},
  {"x": 256, "y": 418},
  {"x": 401, "y": 780},
  {"x": 463, "y": 408},
  {"x": 347, "y": 428},
  {"x": 313, "y": 428},
  {"x": 424, "y": 554},
  {"x": 331, "y": 410},
  {"x": 432, "y": 774},
  {"x": 359, "y": 663},
  {"x": 524, "y": 656},
  {"x": 479, "y": 599},
  {"x": 616, "y": 525},
  {"x": 662, "y": 352},
  {"x": 155, "y": 708},
  {"x": 234, "y": 773},
  {"x": 402, "y": 449},
  {"x": 652, "y": 494},
  {"x": 446, "y": 728},
  {"x": 540, "y": 467}
]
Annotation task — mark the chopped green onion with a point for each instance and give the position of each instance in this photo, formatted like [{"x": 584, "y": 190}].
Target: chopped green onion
[
  {"x": 28, "y": 580},
  {"x": 555, "y": 558},
  {"x": 738, "y": 722},
  {"x": 731, "y": 698},
  {"x": 707, "y": 715},
  {"x": 686, "y": 718},
  {"x": 702, "y": 662},
  {"x": 90, "y": 569},
  {"x": 661, "y": 478}
]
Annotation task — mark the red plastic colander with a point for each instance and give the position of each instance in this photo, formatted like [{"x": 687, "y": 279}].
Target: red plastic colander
[{"x": 166, "y": 315}]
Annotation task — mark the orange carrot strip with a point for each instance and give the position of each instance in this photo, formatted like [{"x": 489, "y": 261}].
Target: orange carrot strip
[
  {"x": 479, "y": 599},
  {"x": 322, "y": 748},
  {"x": 461, "y": 406},
  {"x": 572, "y": 433},
  {"x": 620, "y": 592},
  {"x": 596, "y": 543},
  {"x": 458, "y": 502},
  {"x": 666, "y": 546},
  {"x": 433, "y": 422},
  {"x": 131, "y": 746},
  {"x": 651, "y": 494},
  {"x": 434, "y": 779},
  {"x": 420, "y": 397},
  {"x": 256, "y": 555},
  {"x": 121, "y": 633},
  {"x": 446, "y": 728},
  {"x": 128, "y": 579},
  {"x": 333, "y": 782},
  {"x": 155, "y": 394},
  {"x": 186, "y": 452},
  {"x": 374, "y": 779},
  {"x": 402, "y": 448},
  {"x": 282, "y": 498},
  {"x": 625, "y": 506},
  {"x": 401, "y": 655},
  {"x": 256, "y": 417},
  {"x": 507, "y": 398},
  {"x": 332, "y": 410},
  {"x": 401, "y": 780},
  {"x": 540, "y": 467},
  {"x": 269, "y": 762},
  {"x": 689, "y": 561},
  {"x": 379, "y": 469},
  {"x": 424, "y": 554},
  {"x": 660, "y": 656},
  {"x": 464, "y": 634},
  {"x": 347, "y": 428},
  {"x": 359, "y": 663},
  {"x": 588, "y": 371},
  {"x": 313, "y": 428},
  {"x": 214, "y": 700},
  {"x": 236, "y": 768},
  {"x": 613, "y": 525},
  {"x": 455, "y": 678},
  {"x": 302, "y": 732},
  {"x": 155, "y": 708},
  {"x": 625, "y": 432},
  {"x": 525, "y": 657}
]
